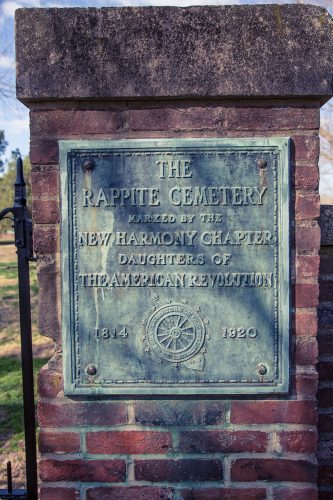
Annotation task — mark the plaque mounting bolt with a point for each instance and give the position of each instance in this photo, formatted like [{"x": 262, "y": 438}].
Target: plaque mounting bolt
[
  {"x": 262, "y": 369},
  {"x": 88, "y": 165},
  {"x": 91, "y": 370}
]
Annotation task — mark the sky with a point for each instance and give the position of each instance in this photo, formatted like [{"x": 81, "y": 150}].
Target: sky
[{"x": 14, "y": 117}]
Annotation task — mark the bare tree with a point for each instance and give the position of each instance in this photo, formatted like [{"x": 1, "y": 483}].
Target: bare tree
[
  {"x": 7, "y": 73},
  {"x": 7, "y": 88},
  {"x": 326, "y": 134}
]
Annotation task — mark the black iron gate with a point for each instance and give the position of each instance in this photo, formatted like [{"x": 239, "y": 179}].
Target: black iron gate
[{"x": 23, "y": 242}]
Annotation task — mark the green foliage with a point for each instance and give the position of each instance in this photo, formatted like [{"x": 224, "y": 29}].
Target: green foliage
[
  {"x": 11, "y": 394},
  {"x": 8, "y": 270},
  {"x": 7, "y": 181},
  {"x": 3, "y": 145},
  {"x": 11, "y": 402}
]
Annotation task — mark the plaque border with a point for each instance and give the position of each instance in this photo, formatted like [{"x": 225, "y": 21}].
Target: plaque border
[{"x": 71, "y": 355}]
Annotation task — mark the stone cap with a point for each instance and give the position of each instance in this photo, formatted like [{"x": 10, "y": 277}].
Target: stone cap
[{"x": 169, "y": 52}]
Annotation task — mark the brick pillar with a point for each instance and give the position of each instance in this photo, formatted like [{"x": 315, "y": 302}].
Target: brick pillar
[
  {"x": 177, "y": 448},
  {"x": 325, "y": 364}
]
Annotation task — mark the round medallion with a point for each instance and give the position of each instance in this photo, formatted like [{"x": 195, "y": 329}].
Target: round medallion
[{"x": 175, "y": 332}]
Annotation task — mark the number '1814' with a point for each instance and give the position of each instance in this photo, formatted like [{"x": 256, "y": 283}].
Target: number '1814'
[{"x": 110, "y": 333}]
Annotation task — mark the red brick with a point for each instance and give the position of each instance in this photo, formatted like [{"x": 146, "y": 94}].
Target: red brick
[
  {"x": 325, "y": 370},
  {"x": 306, "y": 385},
  {"x": 130, "y": 493},
  {"x": 55, "y": 363},
  {"x": 59, "y": 442},
  {"x": 325, "y": 397},
  {"x": 295, "y": 493},
  {"x": 59, "y": 492},
  {"x": 326, "y": 290},
  {"x": 45, "y": 183},
  {"x": 65, "y": 414},
  {"x": 325, "y": 344},
  {"x": 50, "y": 383},
  {"x": 193, "y": 118},
  {"x": 215, "y": 441},
  {"x": 179, "y": 413},
  {"x": 326, "y": 263},
  {"x": 59, "y": 122},
  {"x": 128, "y": 442},
  {"x": 48, "y": 298},
  {"x": 45, "y": 211},
  {"x": 325, "y": 317},
  {"x": 307, "y": 266},
  {"x": 224, "y": 494},
  {"x": 307, "y": 239},
  {"x": 306, "y": 351},
  {"x": 306, "y": 295},
  {"x": 307, "y": 177},
  {"x": 175, "y": 471},
  {"x": 46, "y": 239},
  {"x": 264, "y": 118},
  {"x": 306, "y": 148},
  {"x": 325, "y": 474},
  {"x": 44, "y": 151},
  {"x": 298, "y": 441},
  {"x": 306, "y": 323},
  {"x": 273, "y": 412},
  {"x": 265, "y": 469},
  {"x": 325, "y": 422},
  {"x": 109, "y": 471},
  {"x": 325, "y": 447},
  {"x": 326, "y": 494},
  {"x": 307, "y": 206}
]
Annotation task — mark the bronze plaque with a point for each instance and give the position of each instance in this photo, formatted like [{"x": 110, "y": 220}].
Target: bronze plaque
[{"x": 175, "y": 266}]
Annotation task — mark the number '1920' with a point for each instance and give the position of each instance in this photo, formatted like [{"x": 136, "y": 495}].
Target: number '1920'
[{"x": 239, "y": 333}]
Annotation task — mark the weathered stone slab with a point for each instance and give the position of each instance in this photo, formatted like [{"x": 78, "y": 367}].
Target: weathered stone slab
[
  {"x": 228, "y": 51},
  {"x": 175, "y": 265}
]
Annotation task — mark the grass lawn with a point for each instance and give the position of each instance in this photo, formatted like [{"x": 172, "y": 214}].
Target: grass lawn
[{"x": 11, "y": 405}]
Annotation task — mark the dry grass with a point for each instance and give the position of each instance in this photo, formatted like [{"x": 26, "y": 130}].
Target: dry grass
[
  {"x": 17, "y": 459},
  {"x": 9, "y": 309}
]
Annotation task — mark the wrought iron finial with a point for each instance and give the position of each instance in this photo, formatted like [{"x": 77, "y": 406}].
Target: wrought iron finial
[{"x": 20, "y": 199}]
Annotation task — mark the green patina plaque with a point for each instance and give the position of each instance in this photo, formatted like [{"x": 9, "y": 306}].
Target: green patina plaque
[{"x": 175, "y": 266}]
